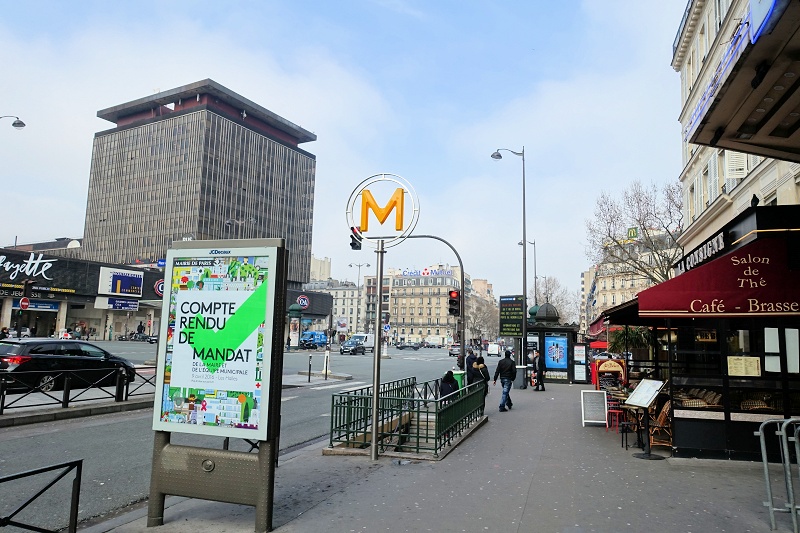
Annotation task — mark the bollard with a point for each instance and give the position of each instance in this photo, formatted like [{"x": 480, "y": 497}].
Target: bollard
[
  {"x": 309, "y": 369},
  {"x": 66, "y": 391},
  {"x": 118, "y": 394},
  {"x": 2, "y": 394}
]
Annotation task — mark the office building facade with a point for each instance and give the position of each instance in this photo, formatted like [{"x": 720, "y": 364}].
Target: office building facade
[{"x": 198, "y": 162}]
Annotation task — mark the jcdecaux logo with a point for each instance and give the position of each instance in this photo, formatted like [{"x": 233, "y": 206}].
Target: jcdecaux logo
[{"x": 220, "y": 252}]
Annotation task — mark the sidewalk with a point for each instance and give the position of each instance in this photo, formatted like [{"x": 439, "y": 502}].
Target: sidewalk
[{"x": 534, "y": 468}]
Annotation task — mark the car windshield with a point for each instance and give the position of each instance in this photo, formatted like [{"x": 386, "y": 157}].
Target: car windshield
[{"x": 8, "y": 348}]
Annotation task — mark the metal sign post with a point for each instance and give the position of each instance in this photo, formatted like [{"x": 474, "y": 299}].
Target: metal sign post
[{"x": 376, "y": 363}]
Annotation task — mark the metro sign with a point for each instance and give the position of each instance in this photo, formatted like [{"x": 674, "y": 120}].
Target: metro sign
[{"x": 364, "y": 207}]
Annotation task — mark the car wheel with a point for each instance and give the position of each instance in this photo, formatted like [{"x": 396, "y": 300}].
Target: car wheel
[{"x": 46, "y": 383}]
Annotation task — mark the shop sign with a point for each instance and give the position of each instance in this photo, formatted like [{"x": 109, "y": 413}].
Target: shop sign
[
  {"x": 303, "y": 301},
  {"x": 426, "y": 272},
  {"x": 35, "y": 305},
  {"x": 753, "y": 280},
  {"x": 33, "y": 267},
  {"x": 703, "y": 253},
  {"x": 158, "y": 288},
  {"x": 372, "y": 203}
]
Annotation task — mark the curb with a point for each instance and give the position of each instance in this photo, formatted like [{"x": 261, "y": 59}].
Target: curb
[{"x": 51, "y": 415}]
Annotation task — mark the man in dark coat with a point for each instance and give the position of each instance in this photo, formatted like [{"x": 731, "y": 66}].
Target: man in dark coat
[
  {"x": 540, "y": 367},
  {"x": 473, "y": 374},
  {"x": 507, "y": 371}
]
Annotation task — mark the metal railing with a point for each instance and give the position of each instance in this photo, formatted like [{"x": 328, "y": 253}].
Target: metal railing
[
  {"x": 786, "y": 430},
  {"x": 411, "y": 416},
  {"x": 18, "y": 388},
  {"x": 77, "y": 466}
]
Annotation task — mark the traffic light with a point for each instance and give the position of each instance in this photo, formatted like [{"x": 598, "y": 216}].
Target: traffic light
[
  {"x": 454, "y": 303},
  {"x": 355, "y": 238}
]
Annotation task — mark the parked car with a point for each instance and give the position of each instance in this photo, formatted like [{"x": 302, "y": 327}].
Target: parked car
[
  {"x": 24, "y": 332},
  {"x": 152, "y": 339},
  {"x": 454, "y": 350},
  {"x": 51, "y": 357},
  {"x": 352, "y": 346}
]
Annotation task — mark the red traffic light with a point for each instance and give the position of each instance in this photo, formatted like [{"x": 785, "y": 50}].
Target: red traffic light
[
  {"x": 454, "y": 303},
  {"x": 454, "y": 295}
]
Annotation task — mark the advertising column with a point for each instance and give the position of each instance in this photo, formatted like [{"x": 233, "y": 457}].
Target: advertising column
[{"x": 215, "y": 373}]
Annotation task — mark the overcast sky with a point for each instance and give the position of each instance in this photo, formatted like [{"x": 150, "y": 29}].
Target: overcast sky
[{"x": 423, "y": 89}]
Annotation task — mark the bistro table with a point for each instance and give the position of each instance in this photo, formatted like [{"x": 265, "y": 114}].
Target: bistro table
[{"x": 633, "y": 420}]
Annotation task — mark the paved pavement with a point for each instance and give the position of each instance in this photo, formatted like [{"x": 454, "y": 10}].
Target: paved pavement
[{"x": 534, "y": 468}]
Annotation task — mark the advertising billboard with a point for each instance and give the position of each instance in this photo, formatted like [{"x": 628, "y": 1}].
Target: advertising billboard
[
  {"x": 119, "y": 282},
  {"x": 213, "y": 368},
  {"x": 555, "y": 352}
]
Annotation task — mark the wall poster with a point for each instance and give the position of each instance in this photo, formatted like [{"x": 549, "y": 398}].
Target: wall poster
[
  {"x": 211, "y": 367},
  {"x": 555, "y": 352}
]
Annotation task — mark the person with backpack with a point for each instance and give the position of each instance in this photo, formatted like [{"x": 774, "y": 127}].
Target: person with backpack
[{"x": 507, "y": 371}]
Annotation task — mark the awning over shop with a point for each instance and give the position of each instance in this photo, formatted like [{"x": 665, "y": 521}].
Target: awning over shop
[
  {"x": 597, "y": 327},
  {"x": 598, "y": 345},
  {"x": 752, "y": 281}
]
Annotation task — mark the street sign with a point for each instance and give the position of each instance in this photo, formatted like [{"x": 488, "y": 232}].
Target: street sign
[
  {"x": 386, "y": 327},
  {"x": 24, "y": 303}
]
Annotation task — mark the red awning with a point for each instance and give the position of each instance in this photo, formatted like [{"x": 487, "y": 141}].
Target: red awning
[
  {"x": 751, "y": 281},
  {"x": 597, "y": 327},
  {"x": 598, "y": 345}
]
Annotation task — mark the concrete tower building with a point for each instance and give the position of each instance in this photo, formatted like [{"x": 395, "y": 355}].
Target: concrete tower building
[{"x": 198, "y": 162}]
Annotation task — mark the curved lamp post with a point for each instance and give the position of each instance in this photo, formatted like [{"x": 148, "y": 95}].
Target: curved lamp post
[
  {"x": 524, "y": 343},
  {"x": 535, "y": 277},
  {"x": 17, "y": 122}
]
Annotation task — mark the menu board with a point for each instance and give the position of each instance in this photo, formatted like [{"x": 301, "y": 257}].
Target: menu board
[
  {"x": 744, "y": 366},
  {"x": 644, "y": 393}
]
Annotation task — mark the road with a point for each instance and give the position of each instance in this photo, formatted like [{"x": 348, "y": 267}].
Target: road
[{"x": 117, "y": 448}]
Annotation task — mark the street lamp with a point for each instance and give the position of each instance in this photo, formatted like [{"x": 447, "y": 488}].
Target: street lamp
[
  {"x": 358, "y": 286},
  {"x": 535, "y": 277},
  {"x": 231, "y": 221},
  {"x": 17, "y": 123},
  {"x": 524, "y": 344}
]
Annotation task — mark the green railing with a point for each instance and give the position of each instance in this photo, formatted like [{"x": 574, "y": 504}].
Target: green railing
[{"x": 411, "y": 416}]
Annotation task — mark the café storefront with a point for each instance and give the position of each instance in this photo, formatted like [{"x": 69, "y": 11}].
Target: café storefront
[
  {"x": 726, "y": 333},
  {"x": 48, "y": 293}
]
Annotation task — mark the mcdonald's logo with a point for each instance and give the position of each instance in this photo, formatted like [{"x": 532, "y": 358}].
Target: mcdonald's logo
[{"x": 395, "y": 204}]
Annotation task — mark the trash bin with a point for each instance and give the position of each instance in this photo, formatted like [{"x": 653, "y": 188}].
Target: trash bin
[
  {"x": 520, "y": 382},
  {"x": 459, "y": 375}
]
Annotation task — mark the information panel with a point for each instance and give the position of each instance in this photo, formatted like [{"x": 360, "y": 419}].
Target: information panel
[
  {"x": 512, "y": 311},
  {"x": 211, "y": 367}
]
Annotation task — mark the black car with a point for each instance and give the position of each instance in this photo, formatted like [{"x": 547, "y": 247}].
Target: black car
[
  {"x": 47, "y": 360},
  {"x": 411, "y": 345}
]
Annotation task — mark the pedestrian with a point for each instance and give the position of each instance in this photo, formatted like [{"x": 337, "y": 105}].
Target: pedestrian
[
  {"x": 4, "y": 333},
  {"x": 449, "y": 385},
  {"x": 288, "y": 342},
  {"x": 540, "y": 367},
  {"x": 507, "y": 371},
  {"x": 472, "y": 373},
  {"x": 484, "y": 377}
]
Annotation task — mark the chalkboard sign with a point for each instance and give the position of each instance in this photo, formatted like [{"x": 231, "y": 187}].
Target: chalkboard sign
[
  {"x": 644, "y": 393},
  {"x": 594, "y": 408}
]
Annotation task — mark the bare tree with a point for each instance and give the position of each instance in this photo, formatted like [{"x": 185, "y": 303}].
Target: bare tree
[
  {"x": 568, "y": 304},
  {"x": 638, "y": 232},
  {"x": 482, "y": 318}
]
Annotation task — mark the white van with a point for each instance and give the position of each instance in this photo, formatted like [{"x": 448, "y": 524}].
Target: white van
[
  {"x": 367, "y": 339},
  {"x": 493, "y": 349}
]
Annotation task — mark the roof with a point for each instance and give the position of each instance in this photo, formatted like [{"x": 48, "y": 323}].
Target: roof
[{"x": 207, "y": 86}]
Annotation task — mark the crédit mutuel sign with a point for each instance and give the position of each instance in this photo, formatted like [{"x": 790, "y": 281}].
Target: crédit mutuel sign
[{"x": 376, "y": 198}]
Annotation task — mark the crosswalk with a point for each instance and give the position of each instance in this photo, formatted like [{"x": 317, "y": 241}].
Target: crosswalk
[{"x": 348, "y": 384}]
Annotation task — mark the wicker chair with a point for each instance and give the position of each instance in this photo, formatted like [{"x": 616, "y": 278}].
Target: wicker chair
[{"x": 661, "y": 428}]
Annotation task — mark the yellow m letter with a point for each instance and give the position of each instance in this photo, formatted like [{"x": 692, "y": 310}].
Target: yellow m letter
[{"x": 381, "y": 213}]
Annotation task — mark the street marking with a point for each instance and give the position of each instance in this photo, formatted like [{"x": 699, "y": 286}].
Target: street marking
[
  {"x": 337, "y": 385},
  {"x": 288, "y": 398}
]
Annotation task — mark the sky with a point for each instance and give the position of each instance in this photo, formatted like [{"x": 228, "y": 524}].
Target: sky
[{"x": 423, "y": 89}]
